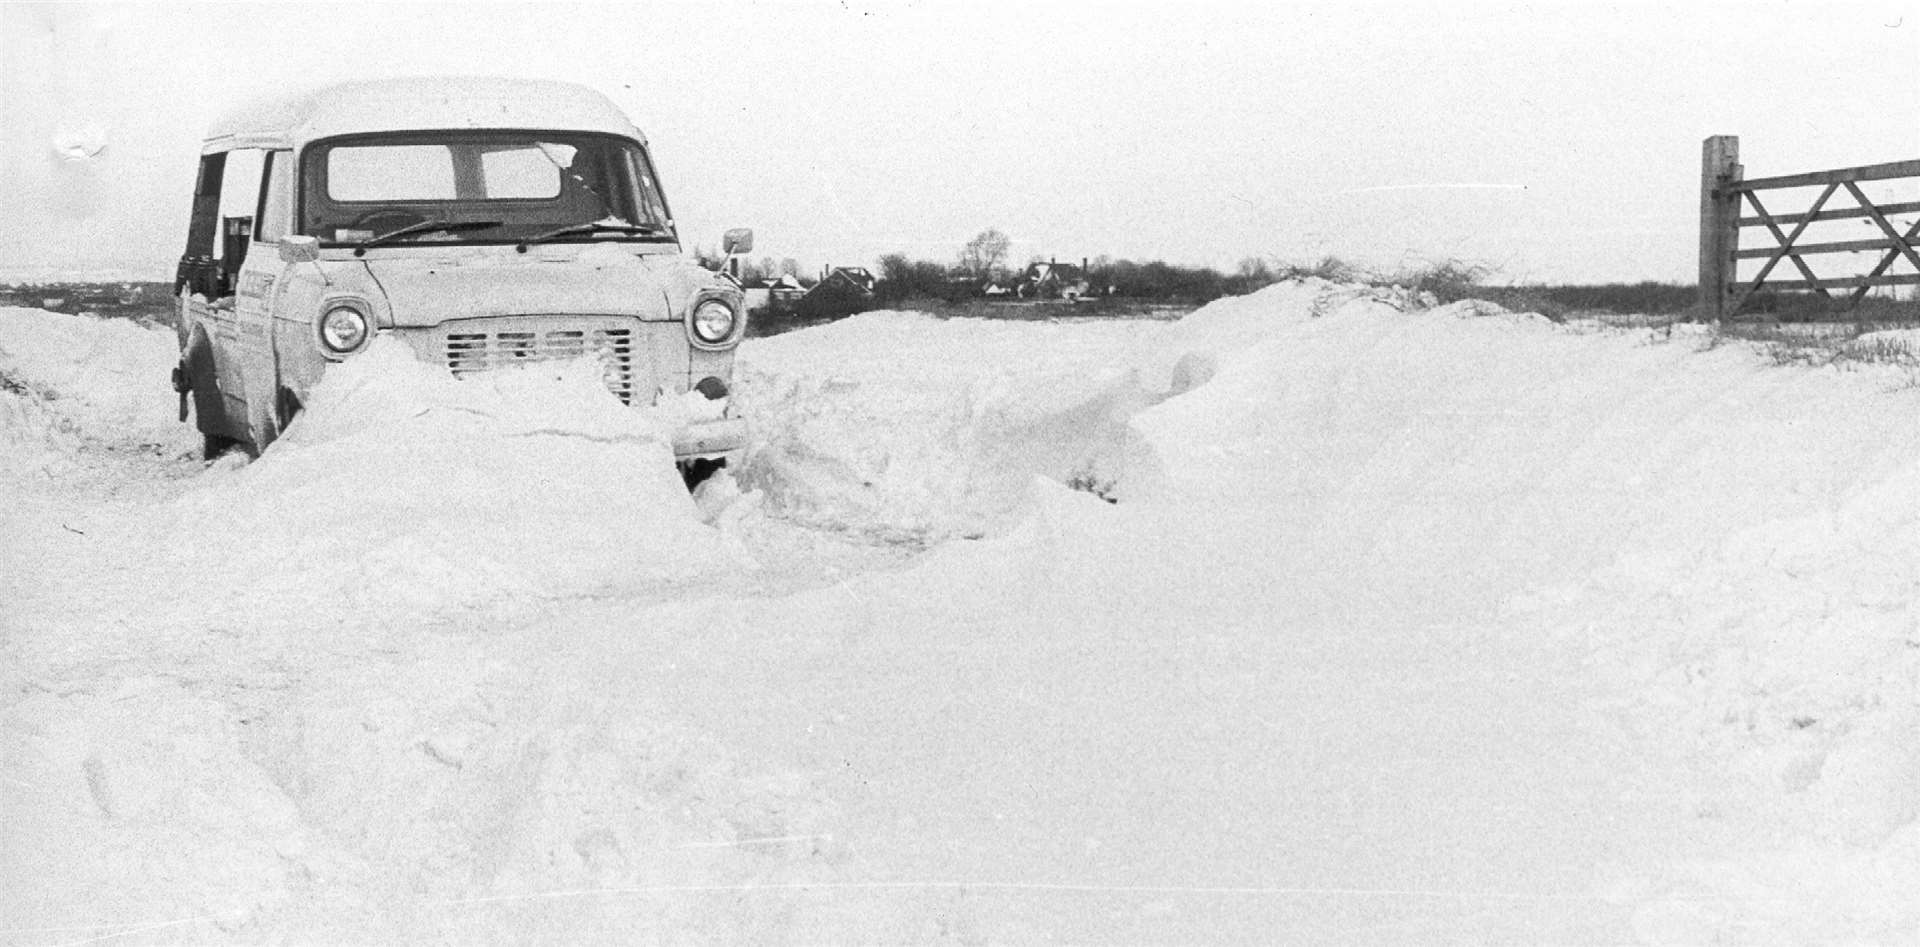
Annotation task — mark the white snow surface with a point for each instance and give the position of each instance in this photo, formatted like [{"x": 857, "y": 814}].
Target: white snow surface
[{"x": 1403, "y": 625}]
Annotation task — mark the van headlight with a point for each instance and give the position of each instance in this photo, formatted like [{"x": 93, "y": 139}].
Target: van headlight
[
  {"x": 344, "y": 330},
  {"x": 713, "y": 321}
]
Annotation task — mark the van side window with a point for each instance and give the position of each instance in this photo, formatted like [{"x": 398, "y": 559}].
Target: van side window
[
  {"x": 239, "y": 200},
  {"x": 226, "y": 195},
  {"x": 276, "y": 198}
]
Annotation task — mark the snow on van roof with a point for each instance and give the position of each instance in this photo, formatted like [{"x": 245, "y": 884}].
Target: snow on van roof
[{"x": 435, "y": 102}]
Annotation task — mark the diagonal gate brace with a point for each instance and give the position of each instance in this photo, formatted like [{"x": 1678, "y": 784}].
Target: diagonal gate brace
[
  {"x": 1902, "y": 245},
  {"x": 1785, "y": 250}
]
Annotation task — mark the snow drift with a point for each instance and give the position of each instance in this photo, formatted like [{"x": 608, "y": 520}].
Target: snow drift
[
  {"x": 401, "y": 490},
  {"x": 1710, "y": 557},
  {"x": 1319, "y": 615},
  {"x": 399, "y": 482},
  {"x": 245, "y": 708},
  {"x": 70, "y": 380},
  {"x": 915, "y": 429}
]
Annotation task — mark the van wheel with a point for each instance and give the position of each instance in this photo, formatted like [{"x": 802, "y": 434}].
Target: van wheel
[{"x": 208, "y": 408}]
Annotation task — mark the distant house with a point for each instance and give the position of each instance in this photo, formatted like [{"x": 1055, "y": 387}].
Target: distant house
[
  {"x": 772, "y": 295},
  {"x": 857, "y": 278},
  {"x": 785, "y": 292},
  {"x": 756, "y": 293},
  {"x": 843, "y": 290},
  {"x": 1053, "y": 280}
]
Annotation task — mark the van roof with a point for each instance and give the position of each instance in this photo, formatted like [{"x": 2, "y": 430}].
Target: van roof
[{"x": 438, "y": 102}]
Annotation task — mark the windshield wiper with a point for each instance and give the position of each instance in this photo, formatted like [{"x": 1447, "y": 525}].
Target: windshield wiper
[
  {"x": 424, "y": 226},
  {"x": 591, "y": 226}
]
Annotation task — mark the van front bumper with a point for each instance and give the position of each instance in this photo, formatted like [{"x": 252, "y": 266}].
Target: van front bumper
[{"x": 717, "y": 439}]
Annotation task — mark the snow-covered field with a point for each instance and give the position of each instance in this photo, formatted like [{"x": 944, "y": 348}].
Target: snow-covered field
[{"x": 1403, "y": 625}]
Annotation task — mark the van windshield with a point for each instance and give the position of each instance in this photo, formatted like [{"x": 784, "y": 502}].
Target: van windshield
[{"x": 480, "y": 187}]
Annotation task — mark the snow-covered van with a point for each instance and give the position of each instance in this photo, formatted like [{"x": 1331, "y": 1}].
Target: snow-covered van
[{"x": 483, "y": 222}]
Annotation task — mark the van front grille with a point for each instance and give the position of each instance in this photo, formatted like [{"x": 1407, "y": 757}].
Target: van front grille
[{"x": 472, "y": 349}]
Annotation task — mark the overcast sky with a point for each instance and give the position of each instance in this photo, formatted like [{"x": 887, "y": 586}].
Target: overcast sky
[{"x": 1551, "y": 141}]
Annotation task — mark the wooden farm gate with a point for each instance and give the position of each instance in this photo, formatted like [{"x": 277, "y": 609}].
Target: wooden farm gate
[{"x": 1723, "y": 192}]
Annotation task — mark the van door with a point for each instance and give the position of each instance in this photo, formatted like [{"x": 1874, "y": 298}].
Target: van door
[
  {"x": 201, "y": 285},
  {"x": 258, "y": 287},
  {"x": 226, "y": 199}
]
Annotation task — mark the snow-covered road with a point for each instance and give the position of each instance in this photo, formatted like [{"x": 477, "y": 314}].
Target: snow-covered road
[{"x": 1407, "y": 626}]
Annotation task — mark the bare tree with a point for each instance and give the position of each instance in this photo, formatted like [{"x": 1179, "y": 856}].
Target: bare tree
[
  {"x": 1255, "y": 269},
  {"x": 985, "y": 254}
]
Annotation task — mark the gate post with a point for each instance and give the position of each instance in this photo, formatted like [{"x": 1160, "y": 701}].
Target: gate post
[{"x": 1719, "y": 222}]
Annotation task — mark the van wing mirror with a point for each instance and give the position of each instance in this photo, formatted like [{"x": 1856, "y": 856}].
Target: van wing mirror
[
  {"x": 738, "y": 240},
  {"x": 299, "y": 248}
]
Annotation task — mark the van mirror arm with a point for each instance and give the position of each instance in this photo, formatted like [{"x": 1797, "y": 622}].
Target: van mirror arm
[{"x": 303, "y": 248}]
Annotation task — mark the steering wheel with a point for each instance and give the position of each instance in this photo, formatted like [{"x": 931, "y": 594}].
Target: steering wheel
[{"x": 400, "y": 218}]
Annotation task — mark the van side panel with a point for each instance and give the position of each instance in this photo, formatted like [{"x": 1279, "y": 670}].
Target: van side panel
[{"x": 296, "y": 348}]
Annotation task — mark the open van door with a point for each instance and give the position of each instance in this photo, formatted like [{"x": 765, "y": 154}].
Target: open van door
[
  {"x": 223, "y": 288},
  {"x": 258, "y": 283}
]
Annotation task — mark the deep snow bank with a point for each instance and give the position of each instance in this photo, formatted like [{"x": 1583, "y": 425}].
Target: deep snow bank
[
  {"x": 278, "y": 702},
  {"x": 399, "y": 482},
  {"x": 1487, "y": 451},
  {"x": 1734, "y": 545},
  {"x": 67, "y": 380},
  {"x": 104, "y": 371},
  {"x": 1782, "y": 660},
  {"x": 1726, "y": 543},
  {"x": 1741, "y": 543},
  {"x": 400, "y": 489},
  {"x": 1405, "y": 622},
  {"x": 909, "y": 428}
]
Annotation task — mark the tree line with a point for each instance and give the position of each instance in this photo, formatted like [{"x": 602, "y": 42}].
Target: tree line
[{"x": 982, "y": 268}]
